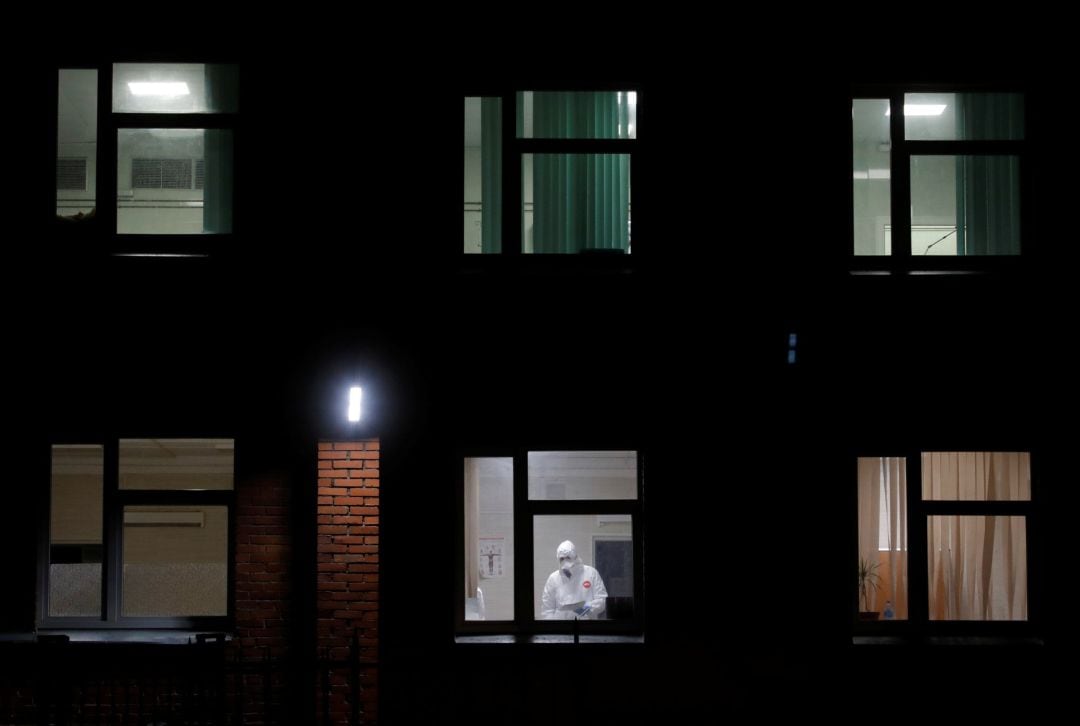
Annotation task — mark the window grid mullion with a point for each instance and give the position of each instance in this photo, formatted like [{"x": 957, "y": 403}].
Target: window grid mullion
[
  {"x": 106, "y": 156},
  {"x": 512, "y": 192},
  {"x": 112, "y": 560},
  {"x": 918, "y": 572},
  {"x": 900, "y": 186},
  {"x": 523, "y": 544}
]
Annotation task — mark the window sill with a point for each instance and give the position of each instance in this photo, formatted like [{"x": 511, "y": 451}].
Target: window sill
[
  {"x": 939, "y": 640},
  {"x": 548, "y": 639},
  {"x": 916, "y": 273},
  {"x": 145, "y": 637}
]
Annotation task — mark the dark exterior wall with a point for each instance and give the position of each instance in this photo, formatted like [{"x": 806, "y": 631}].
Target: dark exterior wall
[{"x": 748, "y": 218}]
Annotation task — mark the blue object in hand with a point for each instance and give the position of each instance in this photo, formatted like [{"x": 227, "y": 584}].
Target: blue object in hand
[{"x": 582, "y": 610}]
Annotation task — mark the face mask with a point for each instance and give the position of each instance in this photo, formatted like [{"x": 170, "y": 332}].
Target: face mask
[{"x": 567, "y": 570}]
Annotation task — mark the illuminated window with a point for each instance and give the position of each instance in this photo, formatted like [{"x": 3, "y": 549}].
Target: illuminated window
[{"x": 138, "y": 534}]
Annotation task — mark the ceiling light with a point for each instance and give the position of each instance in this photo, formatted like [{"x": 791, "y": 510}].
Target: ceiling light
[
  {"x": 921, "y": 109},
  {"x": 159, "y": 88}
]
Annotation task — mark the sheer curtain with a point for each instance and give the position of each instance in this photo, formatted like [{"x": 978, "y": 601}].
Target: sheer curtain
[
  {"x": 977, "y": 564},
  {"x": 883, "y": 529}
]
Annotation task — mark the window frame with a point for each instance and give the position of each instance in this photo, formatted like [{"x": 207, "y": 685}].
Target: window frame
[
  {"x": 99, "y": 235},
  {"x": 114, "y": 501},
  {"x": 900, "y": 154},
  {"x": 514, "y": 149},
  {"x": 919, "y": 510},
  {"x": 524, "y": 623}
]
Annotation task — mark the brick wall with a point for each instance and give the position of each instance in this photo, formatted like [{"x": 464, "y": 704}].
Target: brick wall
[
  {"x": 263, "y": 552},
  {"x": 263, "y": 584},
  {"x": 348, "y": 564}
]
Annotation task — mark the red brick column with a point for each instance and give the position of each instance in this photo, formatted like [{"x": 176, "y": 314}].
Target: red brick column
[{"x": 348, "y": 565}]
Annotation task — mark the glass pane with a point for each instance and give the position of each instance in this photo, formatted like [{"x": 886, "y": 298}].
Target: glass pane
[
  {"x": 175, "y": 561},
  {"x": 576, "y": 203},
  {"x": 583, "y": 567},
  {"x": 188, "y": 464},
  {"x": 174, "y": 181},
  {"x": 577, "y": 114},
  {"x": 871, "y": 171},
  {"x": 76, "y": 144},
  {"x": 489, "y": 539},
  {"x": 483, "y": 175},
  {"x": 977, "y": 568},
  {"x": 983, "y": 476},
  {"x": 965, "y": 205},
  {"x": 883, "y": 566},
  {"x": 582, "y": 475},
  {"x": 963, "y": 116},
  {"x": 175, "y": 88},
  {"x": 75, "y": 527}
]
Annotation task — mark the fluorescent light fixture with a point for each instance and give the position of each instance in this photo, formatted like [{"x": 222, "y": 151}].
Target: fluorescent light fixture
[
  {"x": 871, "y": 174},
  {"x": 159, "y": 88},
  {"x": 921, "y": 109},
  {"x": 354, "y": 403}
]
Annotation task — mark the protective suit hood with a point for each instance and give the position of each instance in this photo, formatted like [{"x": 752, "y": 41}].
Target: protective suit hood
[{"x": 569, "y": 562}]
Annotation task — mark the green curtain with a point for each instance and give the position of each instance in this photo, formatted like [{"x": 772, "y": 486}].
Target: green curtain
[
  {"x": 218, "y": 181},
  {"x": 490, "y": 175},
  {"x": 580, "y": 201},
  {"x": 222, "y": 88},
  {"x": 988, "y": 187}
]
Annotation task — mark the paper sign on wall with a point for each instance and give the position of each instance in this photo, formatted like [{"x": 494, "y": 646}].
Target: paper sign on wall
[{"x": 491, "y": 557}]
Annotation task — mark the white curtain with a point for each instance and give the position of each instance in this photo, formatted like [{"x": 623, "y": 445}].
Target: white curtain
[
  {"x": 883, "y": 529},
  {"x": 977, "y": 564}
]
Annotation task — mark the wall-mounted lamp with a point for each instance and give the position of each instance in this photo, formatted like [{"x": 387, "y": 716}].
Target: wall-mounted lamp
[{"x": 354, "y": 403}]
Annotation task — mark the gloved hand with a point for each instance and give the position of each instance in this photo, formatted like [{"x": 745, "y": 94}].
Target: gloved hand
[{"x": 583, "y": 610}]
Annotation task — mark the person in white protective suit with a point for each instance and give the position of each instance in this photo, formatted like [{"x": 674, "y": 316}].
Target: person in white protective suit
[{"x": 575, "y": 590}]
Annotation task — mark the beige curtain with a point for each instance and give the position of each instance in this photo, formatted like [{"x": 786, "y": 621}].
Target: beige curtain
[
  {"x": 472, "y": 523},
  {"x": 883, "y": 529},
  {"x": 976, "y": 476},
  {"x": 977, "y": 564}
]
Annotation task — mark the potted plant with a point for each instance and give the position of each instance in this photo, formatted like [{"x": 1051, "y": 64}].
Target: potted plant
[{"x": 868, "y": 581}]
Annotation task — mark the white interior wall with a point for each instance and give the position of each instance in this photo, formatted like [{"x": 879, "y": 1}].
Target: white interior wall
[
  {"x": 158, "y": 211},
  {"x": 76, "y": 135},
  {"x": 497, "y": 521},
  {"x": 582, "y": 474}
]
